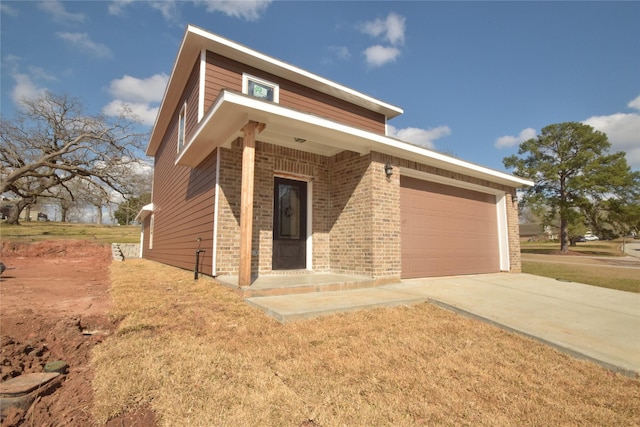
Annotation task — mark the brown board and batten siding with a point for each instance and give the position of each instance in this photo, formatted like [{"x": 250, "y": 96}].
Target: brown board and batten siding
[
  {"x": 183, "y": 197},
  {"x": 447, "y": 230},
  {"x": 225, "y": 73},
  {"x": 190, "y": 97}
]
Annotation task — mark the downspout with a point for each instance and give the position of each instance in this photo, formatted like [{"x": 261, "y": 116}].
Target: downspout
[{"x": 214, "y": 256}]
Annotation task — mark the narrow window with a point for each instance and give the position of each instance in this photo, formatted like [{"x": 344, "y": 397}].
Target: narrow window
[
  {"x": 151, "y": 221},
  {"x": 259, "y": 88},
  {"x": 181, "y": 126}
]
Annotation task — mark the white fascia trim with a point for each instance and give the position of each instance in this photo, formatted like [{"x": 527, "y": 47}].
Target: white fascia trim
[
  {"x": 288, "y": 67},
  {"x": 144, "y": 212},
  {"x": 214, "y": 256},
  {"x": 155, "y": 128},
  {"x": 513, "y": 180},
  {"x": 201, "y": 86},
  {"x": 503, "y": 233}
]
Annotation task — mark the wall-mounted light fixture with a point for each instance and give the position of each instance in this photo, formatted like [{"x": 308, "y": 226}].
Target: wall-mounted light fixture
[
  {"x": 299, "y": 140},
  {"x": 388, "y": 170}
]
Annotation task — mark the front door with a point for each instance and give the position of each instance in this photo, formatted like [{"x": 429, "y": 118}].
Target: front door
[{"x": 289, "y": 224}]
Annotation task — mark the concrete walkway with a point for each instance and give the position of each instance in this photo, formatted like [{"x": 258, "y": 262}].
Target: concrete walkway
[{"x": 597, "y": 324}]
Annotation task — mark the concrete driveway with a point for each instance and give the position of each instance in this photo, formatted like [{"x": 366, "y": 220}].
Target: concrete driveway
[{"x": 598, "y": 324}]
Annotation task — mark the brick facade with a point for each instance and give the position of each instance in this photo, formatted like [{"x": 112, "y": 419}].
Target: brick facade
[{"x": 355, "y": 210}]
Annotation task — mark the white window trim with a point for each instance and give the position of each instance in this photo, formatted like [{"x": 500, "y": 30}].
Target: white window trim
[
  {"x": 201, "y": 86},
  {"x": 245, "y": 85},
  {"x": 182, "y": 125}
]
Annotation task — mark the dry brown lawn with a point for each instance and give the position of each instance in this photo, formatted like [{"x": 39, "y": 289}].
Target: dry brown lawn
[{"x": 199, "y": 356}]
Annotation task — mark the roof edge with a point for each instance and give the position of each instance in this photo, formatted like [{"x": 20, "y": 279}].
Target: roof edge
[{"x": 195, "y": 39}]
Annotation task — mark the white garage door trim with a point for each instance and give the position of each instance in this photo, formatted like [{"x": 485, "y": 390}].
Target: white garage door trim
[{"x": 501, "y": 207}]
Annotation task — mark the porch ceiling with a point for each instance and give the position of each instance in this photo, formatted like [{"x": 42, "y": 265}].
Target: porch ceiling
[{"x": 232, "y": 110}]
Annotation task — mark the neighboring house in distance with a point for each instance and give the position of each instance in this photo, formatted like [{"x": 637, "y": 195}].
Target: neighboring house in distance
[
  {"x": 530, "y": 232},
  {"x": 271, "y": 169},
  {"x": 534, "y": 231}
]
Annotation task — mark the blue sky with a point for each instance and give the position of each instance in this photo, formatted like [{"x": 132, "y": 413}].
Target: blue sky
[{"x": 474, "y": 78}]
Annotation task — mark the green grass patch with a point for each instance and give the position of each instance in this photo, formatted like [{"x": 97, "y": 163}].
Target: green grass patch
[
  {"x": 37, "y": 230},
  {"x": 597, "y": 248},
  {"x": 622, "y": 279}
]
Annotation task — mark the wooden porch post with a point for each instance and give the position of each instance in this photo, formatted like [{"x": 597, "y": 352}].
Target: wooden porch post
[{"x": 246, "y": 201}]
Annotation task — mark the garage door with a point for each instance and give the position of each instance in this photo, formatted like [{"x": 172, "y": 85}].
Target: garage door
[{"x": 447, "y": 230}]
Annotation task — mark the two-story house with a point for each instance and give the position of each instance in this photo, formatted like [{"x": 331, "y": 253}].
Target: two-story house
[{"x": 270, "y": 169}]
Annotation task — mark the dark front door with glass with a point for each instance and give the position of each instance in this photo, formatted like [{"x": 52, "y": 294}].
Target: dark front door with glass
[{"x": 289, "y": 224}]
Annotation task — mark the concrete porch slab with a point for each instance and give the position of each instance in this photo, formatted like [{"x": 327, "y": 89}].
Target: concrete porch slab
[
  {"x": 299, "y": 283},
  {"x": 289, "y": 308}
]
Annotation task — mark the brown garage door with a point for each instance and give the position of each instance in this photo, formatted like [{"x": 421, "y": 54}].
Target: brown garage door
[{"x": 447, "y": 230}]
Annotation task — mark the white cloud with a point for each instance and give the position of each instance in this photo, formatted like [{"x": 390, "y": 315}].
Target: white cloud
[
  {"x": 623, "y": 132},
  {"x": 168, "y": 9},
  {"x": 59, "y": 14},
  {"x": 25, "y": 89},
  {"x": 378, "y": 55},
  {"x": 116, "y": 7},
  {"x": 137, "y": 96},
  {"x": 635, "y": 103},
  {"x": 83, "y": 42},
  {"x": 132, "y": 89},
  {"x": 28, "y": 85},
  {"x": 423, "y": 137},
  {"x": 391, "y": 29},
  {"x": 510, "y": 141},
  {"x": 8, "y": 10},
  {"x": 249, "y": 10},
  {"x": 340, "y": 52},
  {"x": 145, "y": 113}
]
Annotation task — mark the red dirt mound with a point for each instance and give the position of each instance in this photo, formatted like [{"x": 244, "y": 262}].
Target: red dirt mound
[{"x": 53, "y": 306}]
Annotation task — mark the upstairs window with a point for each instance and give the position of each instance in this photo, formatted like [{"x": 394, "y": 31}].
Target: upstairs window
[
  {"x": 259, "y": 88},
  {"x": 181, "y": 127}
]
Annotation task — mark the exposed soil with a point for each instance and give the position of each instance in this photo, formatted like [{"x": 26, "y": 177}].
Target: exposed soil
[{"x": 54, "y": 298}]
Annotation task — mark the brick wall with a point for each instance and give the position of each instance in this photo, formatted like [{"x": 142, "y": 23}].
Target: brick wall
[
  {"x": 228, "y": 234},
  {"x": 513, "y": 231},
  {"x": 350, "y": 196},
  {"x": 385, "y": 217}
]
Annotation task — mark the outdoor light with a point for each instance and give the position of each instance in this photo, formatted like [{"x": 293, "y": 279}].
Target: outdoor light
[
  {"x": 299, "y": 140},
  {"x": 388, "y": 170}
]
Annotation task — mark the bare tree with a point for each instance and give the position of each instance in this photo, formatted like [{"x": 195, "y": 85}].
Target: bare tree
[{"x": 51, "y": 142}]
